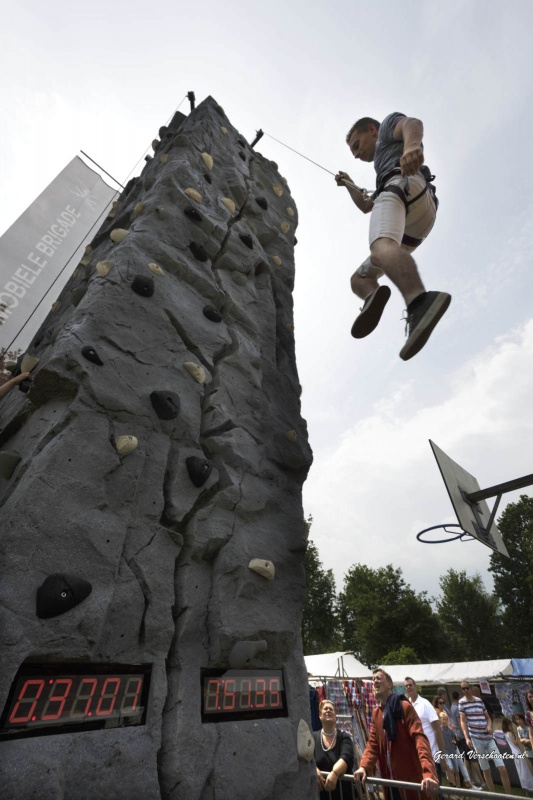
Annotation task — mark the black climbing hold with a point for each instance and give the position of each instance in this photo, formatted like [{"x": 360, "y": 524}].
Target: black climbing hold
[
  {"x": 247, "y": 240},
  {"x": 25, "y": 386},
  {"x": 262, "y": 203},
  {"x": 192, "y": 213},
  {"x": 240, "y": 141},
  {"x": 77, "y": 295},
  {"x": 211, "y": 313},
  {"x": 199, "y": 252},
  {"x": 166, "y": 404},
  {"x": 208, "y": 178},
  {"x": 60, "y": 593},
  {"x": 91, "y": 355},
  {"x": 199, "y": 470},
  {"x": 143, "y": 286},
  {"x": 295, "y": 241},
  {"x": 242, "y": 155},
  {"x": 8, "y": 463}
]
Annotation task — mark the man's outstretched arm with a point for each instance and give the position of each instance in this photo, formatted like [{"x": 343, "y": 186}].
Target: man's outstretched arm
[
  {"x": 362, "y": 202},
  {"x": 411, "y": 131}
]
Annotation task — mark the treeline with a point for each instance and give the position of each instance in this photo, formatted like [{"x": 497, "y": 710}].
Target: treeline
[{"x": 379, "y": 617}]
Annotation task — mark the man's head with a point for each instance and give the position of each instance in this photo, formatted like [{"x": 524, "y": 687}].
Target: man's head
[
  {"x": 455, "y": 696},
  {"x": 442, "y": 693},
  {"x": 362, "y": 138},
  {"x": 382, "y": 684},
  {"x": 410, "y": 688},
  {"x": 467, "y": 690}
]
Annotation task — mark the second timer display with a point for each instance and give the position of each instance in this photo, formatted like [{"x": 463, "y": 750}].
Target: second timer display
[{"x": 242, "y": 694}]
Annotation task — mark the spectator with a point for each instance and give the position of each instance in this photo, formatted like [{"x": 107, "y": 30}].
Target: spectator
[
  {"x": 469, "y": 761},
  {"x": 523, "y": 735},
  {"x": 529, "y": 715},
  {"x": 428, "y": 718},
  {"x": 453, "y": 760},
  {"x": 443, "y": 695},
  {"x": 524, "y": 775},
  {"x": 334, "y": 752}
]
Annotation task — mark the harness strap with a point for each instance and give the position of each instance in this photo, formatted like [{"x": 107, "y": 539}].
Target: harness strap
[
  {"x": 410, "y": 241},
  {"x": 401, "y": 194}
]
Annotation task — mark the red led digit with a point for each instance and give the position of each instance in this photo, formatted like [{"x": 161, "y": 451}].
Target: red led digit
[
  {"x": 228, "y": 703},
  {"x": 132, "y": 691},
  {"x": 108, "y": 696},
  {"x": 60, "y": 698},
  {"x": 211, "y": 694},
  {"x": 86, "y": 685},
  {"x": 273, "y": 688},
  {"x": 245, "y": 699},
  {"x": 260, "y": 693},
  {"x": 22, "y": 699}
]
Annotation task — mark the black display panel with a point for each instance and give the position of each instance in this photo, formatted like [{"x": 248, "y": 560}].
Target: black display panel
[
  {"x": 63, "y": 698},
  {"x": 235, "y": 694}
]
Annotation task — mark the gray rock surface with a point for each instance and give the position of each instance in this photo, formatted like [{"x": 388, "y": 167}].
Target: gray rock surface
[{"x": 168, "y": 560}]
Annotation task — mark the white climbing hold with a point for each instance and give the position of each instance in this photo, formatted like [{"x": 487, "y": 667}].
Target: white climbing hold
[
  {"x": 126, "y": 444},
  {"x": 290, "y": 212},
  {"x": 306, "y": 743},
  {"x": 138, "y": 208},
  {"x": 277, "y": 260},
  {"x": 230, "y": 205},
  {"x": 285, "y": 227},
  {"x": 208, "y": 160},
  {"x": 292, "y": 436},
  {"x": 28, "y": 363},
  {"x": 156, "y": 269},
  {"x": 277, "y": 189},
  {"x": 264, "y": 568},
  {"x": 164, "y": 158},
  {"x": 243, "y": 652},
  {"x": 118, "y": 234},
  {"x": 196, "y": 371},
  {"x": 103, "y": 268},
  {"x": 194, "y": 195}
]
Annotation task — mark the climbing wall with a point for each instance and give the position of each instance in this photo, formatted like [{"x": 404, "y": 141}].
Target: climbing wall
[{"x": 151, "y": 496}]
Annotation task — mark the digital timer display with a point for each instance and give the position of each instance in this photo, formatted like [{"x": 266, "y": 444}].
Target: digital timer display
[
  {"x": 63, "y": 698},
  {"x": 235, "y": 694}
]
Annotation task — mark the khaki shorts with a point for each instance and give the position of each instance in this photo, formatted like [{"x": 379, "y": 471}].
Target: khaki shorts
[{"x": 390, "y": 219}]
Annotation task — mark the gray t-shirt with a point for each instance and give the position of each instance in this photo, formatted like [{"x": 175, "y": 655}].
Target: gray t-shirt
[{"x": 388, "y": 150}]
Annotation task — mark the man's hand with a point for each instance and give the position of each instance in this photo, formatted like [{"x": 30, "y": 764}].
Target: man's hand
[
  {"x": 430, "y": 787},
  {"x": 342, "y": 177},
  {"x": 411, "y": 161},
  {"x": 360, "y": 775}
]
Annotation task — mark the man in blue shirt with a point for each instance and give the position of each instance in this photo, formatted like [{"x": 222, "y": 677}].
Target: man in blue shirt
[{"x": 403, "y": 210}]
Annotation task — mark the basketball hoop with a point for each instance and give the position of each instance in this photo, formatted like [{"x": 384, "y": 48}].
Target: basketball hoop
[{"x": 463, "y": 535}]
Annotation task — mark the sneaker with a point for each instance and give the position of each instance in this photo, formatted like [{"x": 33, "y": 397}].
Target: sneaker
[
  {"x": 422, "y": 320},
  {"x": 371, "y": 312}
]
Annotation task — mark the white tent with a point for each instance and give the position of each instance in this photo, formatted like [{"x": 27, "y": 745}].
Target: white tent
[{"x": 336, "y": 665}]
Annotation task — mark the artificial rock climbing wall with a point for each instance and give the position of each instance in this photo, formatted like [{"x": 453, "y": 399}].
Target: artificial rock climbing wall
[{"x": 151, "y": 485}]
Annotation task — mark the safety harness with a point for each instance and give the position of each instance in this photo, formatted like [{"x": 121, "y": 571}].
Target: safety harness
[{"x": 403, "y": 194}]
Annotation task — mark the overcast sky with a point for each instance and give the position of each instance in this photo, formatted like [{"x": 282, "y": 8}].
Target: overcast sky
[{"x": 103, "y": 77}]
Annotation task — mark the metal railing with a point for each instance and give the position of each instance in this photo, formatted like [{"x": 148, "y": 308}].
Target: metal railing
[{"x": 348, "y": 789}]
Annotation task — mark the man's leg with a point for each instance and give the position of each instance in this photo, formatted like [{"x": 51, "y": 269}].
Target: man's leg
[
  {"x": 398, "y": 265},
  {"x": 504, "y": 777},
  {"x": 364, "y": 283},
  {"x": 488, "y": 779}
]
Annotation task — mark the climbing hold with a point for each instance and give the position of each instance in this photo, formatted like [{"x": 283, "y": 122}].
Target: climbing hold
[
  {"x": 247, "y": 240},
  {"x": 28, "y": 363},
  {"x": 156, "y": 269},
  {"x": 220, "y": 111},
  {"x": 166, "y": 404},
  {"x": 125, "y": 444},
  {"x": 77, "y": 294},
  {"x": 8, "y": 463},
  {"x": 180, "y": 141},
  {"x": 290, "y": 328},
  {"x": 199, "y": 470},
  {"x": 60, "y": 593},
  {"x": 196, "y": 371},
  {"x": 292, "y": 436},
  {"x": 242, "y": 155},
  {"x": 264, "y": 568},
  {"x": 86, "y": 260},
  {"x": 164, "y": 158},
  {"x": 305, "y": 741},
  {"x": 155, "y": 144},
  {"x": 242, "y": 653},
  {"x": 228, "y": 202},
  {"x": 295, "y": 241},
  {"x": 277, "y": 260},
  {"x": 285, "y": 227},
  {"x": 192, "y": 213},
  {"x": 262, "y": 203},
  {"x": 138, "y": 209},
  {"x": 88, "y": 249},
  {"x": 199, "y": 252},
  {"x": 241, "y": 142},
  {"x": 224, "y": 130},
  {"x": 277, "y": 189},
  {"x": 284, "y": 180},
  {"x": 118, "y": 234},
  {"x": 55, "y": 306},
  {"x": 103, "y": 268},
  {"x": 194, "y": 195},
  {"x": 211, "y": 313},
  {"x": 160, "y": 212},
  {"x": 114, "y": 208},
  {"x": 290, "y": 212},
  {"x": 208, "y": 178},
  {"x": 208, "y": 160},
  {"x": 90, "y": 354},
  {"x": 239, "y": 278},
  {"x": 143, "y": 286}
]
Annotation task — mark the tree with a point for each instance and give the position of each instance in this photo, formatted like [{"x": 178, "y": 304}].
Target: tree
[
  {"x": 320, "y": 625},
  {"x": 470, "y": 617},
  {"x": 404, "y": 655},
  {"x": 513, "y": 577},
  {"x": 380, "y": 613}
]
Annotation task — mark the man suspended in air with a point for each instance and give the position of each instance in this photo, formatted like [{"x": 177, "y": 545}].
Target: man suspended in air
[{"x": 404, "y": 208}]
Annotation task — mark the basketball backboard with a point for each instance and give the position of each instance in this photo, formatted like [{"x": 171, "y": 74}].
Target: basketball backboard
[{"x": 473, "y": 517}]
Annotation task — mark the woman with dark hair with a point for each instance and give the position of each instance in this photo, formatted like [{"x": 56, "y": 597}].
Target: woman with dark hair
[
  {"x": 519, "y": 720},
  {"x": 524, "y": 775},
  {"x": 334, "y": 752}
]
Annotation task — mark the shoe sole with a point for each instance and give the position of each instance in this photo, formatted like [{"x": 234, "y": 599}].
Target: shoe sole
[
  {"x": 368, "y": 319},
  {"x": 421, "y": 334}
]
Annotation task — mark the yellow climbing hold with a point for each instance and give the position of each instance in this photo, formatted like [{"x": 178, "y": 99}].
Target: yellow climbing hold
[
  {"x": 290, "y": 212},
  {"x": 224, "y": 130},
  {"x": 86, "y": 260},
  {"x": 228, "y": 202},
  {"x": 138, "y": 209},
  {"x": 277, "y": 260},
  {"x": 208, "y": 160},
  {"x": 290, "y": 328},
  {"x": 193, "y": 194},
  {"x": 88, "y": 249},
  {"x": 103, "y": 268},
  {"x": 28, "y": 363},
  {"x": 118, "y": 234},
  {"x": 156, "y": 269},
  {"x": 195, "y": 370},
  {"x": 285, "y": 227},
  {"x": 164, "y": 158},
  {"x": 292, "y": 436},
  {"x": 126, "y": 444},
  {"x": 277, "y": 189},
  {"x": 114, "y": 209}
]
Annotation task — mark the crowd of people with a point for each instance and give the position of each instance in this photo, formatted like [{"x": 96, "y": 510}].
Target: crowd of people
[{"x": 416, "y": 741}]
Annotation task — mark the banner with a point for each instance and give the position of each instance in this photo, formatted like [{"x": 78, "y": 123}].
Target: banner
[{"x": 35, "y": 250}]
